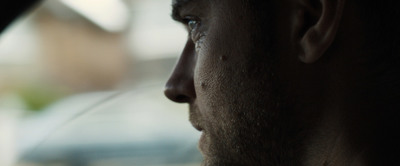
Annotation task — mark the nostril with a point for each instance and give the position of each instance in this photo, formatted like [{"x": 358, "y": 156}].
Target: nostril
[
  {"x": 176, "y": 95},
  {"x": 181, "y": 99}
]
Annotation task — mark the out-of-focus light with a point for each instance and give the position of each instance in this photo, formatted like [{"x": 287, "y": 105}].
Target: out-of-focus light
[
  {"x": 7, "y": 137},
  {"x": 18, "y": 43},
  {"x": 111, "y": 15}
]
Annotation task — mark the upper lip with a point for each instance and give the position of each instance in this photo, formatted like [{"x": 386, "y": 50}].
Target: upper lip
[
  {"x": 195, "y": 122},
  {"x": 194, "y": 117},
  {"x": 197, "y": 126}
]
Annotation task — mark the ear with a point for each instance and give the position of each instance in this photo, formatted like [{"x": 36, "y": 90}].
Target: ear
[{"x": 315, "y": 28}]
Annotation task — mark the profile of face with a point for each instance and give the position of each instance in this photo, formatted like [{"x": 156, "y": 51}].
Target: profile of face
[{"x": 228, "y": 74}]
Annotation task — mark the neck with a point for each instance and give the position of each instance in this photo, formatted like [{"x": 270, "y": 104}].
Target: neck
[
  {"x": 331, "y": 146},
  {"x": 359, "y": 123}
]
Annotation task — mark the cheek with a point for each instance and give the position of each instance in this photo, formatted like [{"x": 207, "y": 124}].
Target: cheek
[
  {"x": 218, "y": 75},
  {"x": 208, "y": 75}
]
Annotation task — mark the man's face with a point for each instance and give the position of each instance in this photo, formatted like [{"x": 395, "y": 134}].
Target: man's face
[{"x": 227, "y": 75}]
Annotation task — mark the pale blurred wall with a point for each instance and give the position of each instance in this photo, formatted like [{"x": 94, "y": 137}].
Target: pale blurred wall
[{"x": 79, "y": 54}]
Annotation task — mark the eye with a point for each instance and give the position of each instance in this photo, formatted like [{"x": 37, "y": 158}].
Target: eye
[{"x": 192, "y": 24}]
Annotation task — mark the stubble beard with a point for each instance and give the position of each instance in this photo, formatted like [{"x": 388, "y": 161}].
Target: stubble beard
[
  {"x": 254, "y": 125},
  {"x": 253, "y": 120},
  {"x": 256, "y": 122}
]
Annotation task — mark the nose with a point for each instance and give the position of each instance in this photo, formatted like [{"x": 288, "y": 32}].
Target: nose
[{"x": 180, "y": 86}]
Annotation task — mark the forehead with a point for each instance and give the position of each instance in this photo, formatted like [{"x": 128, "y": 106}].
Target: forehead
[
  {"x": 183, "y": 2},
  {"x": 179, "y": 6},
  {"x": 234, "y": 5},
  {"x": 182, "y": 6}
]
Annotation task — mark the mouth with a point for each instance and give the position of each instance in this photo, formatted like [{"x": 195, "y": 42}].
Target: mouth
[{"x": 202, "y": 141}]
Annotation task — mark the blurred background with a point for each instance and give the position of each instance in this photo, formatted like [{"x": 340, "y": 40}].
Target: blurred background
[{"x": 81, "y": 84}]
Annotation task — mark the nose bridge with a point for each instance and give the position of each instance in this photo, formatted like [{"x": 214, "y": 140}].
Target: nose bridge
[{"x": 180, "y": 86}]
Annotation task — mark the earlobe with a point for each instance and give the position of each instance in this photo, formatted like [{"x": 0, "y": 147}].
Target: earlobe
[{"x": 315, "y": 37}]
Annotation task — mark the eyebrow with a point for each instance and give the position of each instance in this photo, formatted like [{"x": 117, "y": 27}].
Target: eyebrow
[{"x": 177, "y": 7}]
